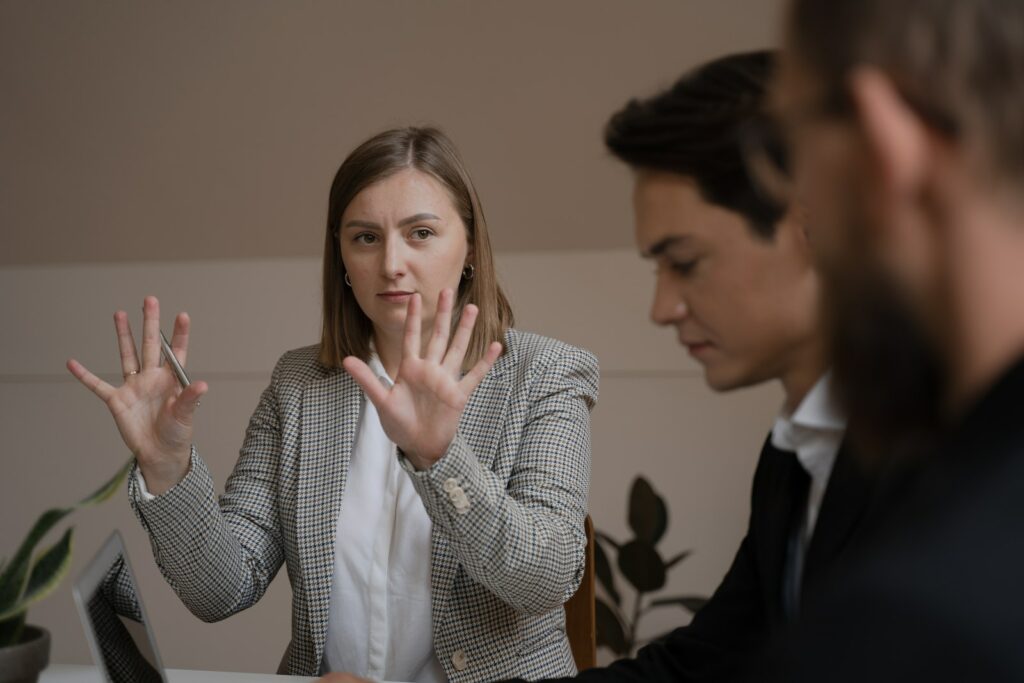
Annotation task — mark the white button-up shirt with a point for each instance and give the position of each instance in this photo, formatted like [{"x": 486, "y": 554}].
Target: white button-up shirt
[
  {"x": 379, "y": 620},
  {"x": 814, "y": 431}
]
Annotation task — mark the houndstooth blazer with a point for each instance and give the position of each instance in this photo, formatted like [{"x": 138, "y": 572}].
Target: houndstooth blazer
[{"x": 502, "y": 567}]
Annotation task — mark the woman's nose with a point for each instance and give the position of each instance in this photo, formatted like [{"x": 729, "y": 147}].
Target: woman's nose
[{"x": 393, "y": 263}]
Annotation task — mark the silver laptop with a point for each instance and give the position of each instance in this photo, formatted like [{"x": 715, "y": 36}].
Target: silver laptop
[{"x": 116, "y": 626}]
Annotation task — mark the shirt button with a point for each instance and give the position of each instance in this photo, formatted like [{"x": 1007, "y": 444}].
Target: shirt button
[
  {"x": 450, "y": 485},
  {"x": 459, "y": 660}
]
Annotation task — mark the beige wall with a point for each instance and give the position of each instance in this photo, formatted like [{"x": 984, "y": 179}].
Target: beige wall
[
  {"x": 151, "y": 130},
  {"x": 184, "y": 149}
]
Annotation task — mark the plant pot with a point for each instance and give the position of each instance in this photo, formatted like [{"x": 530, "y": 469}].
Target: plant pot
[{"x": 22, "y": 663}]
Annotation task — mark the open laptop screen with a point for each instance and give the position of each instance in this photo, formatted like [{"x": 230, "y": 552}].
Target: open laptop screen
[{"x": 115, "y": 622}]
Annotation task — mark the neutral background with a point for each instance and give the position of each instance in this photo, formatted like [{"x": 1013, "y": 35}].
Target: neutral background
[{"x": 185, "y": 149}]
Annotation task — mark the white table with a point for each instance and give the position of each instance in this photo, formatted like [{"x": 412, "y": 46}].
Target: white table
[{"x": 77, "y": 673}]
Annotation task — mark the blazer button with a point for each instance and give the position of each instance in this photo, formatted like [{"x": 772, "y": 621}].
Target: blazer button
[
  {"x": 456, "y": 493},
  {"x": 459, "y": 660},
  {"x": 450, "y": 485}
]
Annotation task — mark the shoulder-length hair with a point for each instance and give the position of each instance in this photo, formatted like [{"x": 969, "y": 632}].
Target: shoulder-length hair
[{"x": 346, "y": 330}]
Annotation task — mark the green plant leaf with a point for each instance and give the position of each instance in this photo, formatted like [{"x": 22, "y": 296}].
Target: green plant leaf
[
  {"x": 108, "y": 489},
  {"x": 603, "y": 570},
  {"x": 693, "y": 603},
  {"x": 15, "y": 576},
  {"x": 610, "y": 633},
  {"x": 677, "y": 559},
  {"x": 47, "y": 571},
  {"x": 11, "y": 629},
  {"x": 648, "y": 515},
  {"x": 14, "y": 579},
  {"x": 642, "y": 566}
]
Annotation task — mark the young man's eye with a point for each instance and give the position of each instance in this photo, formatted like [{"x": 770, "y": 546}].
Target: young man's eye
[{"x": 683, "y": 267}]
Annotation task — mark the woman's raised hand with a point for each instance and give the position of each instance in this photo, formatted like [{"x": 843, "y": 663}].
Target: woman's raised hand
[
  {"x": 153, "y": 413},
  {"x": 421, "y": 412}
]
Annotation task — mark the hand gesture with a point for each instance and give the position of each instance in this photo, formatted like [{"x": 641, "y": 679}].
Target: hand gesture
[
  {"x": 152, "y": 412},
  {"x": 421, "y": 412}
]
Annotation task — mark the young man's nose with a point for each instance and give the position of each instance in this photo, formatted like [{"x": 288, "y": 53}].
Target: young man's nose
[{"x": 668, "y": 308}]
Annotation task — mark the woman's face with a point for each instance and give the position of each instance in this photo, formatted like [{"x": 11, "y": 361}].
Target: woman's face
[{"x": 400, "y": 236}]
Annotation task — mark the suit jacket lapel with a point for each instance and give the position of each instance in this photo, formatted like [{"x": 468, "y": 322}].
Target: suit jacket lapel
[
  {"x": 846, "y": 497},
  {"x": 330, "y": 416},
  {"x": 775, "y": 506}
]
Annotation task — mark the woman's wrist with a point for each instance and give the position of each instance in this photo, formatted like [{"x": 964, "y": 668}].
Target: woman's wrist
[{"x": 161, "y": 478}]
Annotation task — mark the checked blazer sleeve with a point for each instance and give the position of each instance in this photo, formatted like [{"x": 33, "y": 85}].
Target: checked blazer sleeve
[
  {"x": 219, "y": 557},
  {"x": 520, "y": 532}
]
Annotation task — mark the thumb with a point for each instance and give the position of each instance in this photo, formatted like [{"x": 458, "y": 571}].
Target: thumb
[{"x": 187, "y": 401}]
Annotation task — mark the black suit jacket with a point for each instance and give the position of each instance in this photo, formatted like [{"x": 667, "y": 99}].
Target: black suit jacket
[
  {"x": 938, "y": 593},
  {"x": 747, "y": 607}
]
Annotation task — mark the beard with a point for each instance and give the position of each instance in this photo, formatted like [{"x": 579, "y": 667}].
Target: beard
[{"x": 889, "y": 374}]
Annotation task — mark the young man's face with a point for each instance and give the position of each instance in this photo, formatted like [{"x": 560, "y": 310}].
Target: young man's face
[{"x": 745, "y": 307}]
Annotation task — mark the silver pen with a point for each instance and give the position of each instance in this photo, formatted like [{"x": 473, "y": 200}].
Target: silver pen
[{"x": 179, "y": 371}]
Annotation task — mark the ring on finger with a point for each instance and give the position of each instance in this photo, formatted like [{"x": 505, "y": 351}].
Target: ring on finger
[{"x": 130, "y": 373}]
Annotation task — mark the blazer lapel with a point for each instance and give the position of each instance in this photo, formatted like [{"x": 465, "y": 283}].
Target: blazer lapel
[
  {"x": 486, "y": 406},
  {"x": 330, "y": 415},
  {"x": 775, "y": 508},
  {"x": 846, "y": 498}
]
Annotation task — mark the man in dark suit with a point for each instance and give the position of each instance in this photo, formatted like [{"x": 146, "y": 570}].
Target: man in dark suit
[
  {"x": 908, "y": 147},
  {"x": 735, "y": 278}
]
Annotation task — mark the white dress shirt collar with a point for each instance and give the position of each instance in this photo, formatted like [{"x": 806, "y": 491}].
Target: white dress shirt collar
[{"x": 814, "y": 431}]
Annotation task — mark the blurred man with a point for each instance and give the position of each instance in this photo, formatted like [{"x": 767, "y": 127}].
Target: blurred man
[{"x": 908, "y": 145}]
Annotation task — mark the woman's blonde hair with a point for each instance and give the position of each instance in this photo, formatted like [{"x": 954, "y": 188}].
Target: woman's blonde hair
[{"x": 346, "y": 330}]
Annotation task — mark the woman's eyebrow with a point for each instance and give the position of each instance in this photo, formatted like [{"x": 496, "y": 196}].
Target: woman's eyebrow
[{"x": 417, "y": 218}]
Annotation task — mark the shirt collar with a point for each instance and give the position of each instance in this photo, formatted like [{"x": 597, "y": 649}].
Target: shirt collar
[{"x": 816, "y": 415}]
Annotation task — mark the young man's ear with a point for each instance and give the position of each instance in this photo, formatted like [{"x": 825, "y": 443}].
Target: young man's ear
[{"x": 897, "y": 140}]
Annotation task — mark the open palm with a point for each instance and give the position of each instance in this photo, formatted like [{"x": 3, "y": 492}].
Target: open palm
[
  {"x": 421, "y": 412},
  {"x": 152, "y": 413}
]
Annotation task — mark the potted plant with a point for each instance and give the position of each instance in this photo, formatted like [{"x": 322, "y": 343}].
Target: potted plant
[
  {"x": 641, "y": 564},
  {"x": 28, "y": 577}
]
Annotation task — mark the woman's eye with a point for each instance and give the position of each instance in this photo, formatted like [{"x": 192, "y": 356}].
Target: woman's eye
[
  {"x": 365, "y": 238},
  {"x": 422, "y": 233}
]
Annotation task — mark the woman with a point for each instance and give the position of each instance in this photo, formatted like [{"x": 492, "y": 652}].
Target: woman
[{"x": 469, "y": 453}]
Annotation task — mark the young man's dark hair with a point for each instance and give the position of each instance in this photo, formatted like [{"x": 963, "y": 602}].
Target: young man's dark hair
[
  {"x": 905, "y": 118},
  {"x": 700, "y": 128}
]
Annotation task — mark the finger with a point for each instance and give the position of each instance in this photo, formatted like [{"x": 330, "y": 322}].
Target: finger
[
  {"x": 480, "y": 370},
  {"x": 366, "y": 379},
  {"x": 442, "y": 326},
  {"x": 91, "y": 381},
  {"x": 413, "y": 320},
  {"x": 185, "y": 404},
  {"x": 179, "y": 339},
  {"x": 126, "y": 344},
  {"x": 460, "y": 342},
  {"x": 150, "y": 333}
]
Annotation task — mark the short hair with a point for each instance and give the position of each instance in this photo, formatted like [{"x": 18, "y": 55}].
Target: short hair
[
  {"x": 958, "y": 63},
  {"x": 346, "y": 330},
  {"x": 700, "y": 128}
]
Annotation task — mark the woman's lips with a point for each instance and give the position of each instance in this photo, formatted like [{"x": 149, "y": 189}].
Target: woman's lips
[{"x": 395, "y": 297}]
